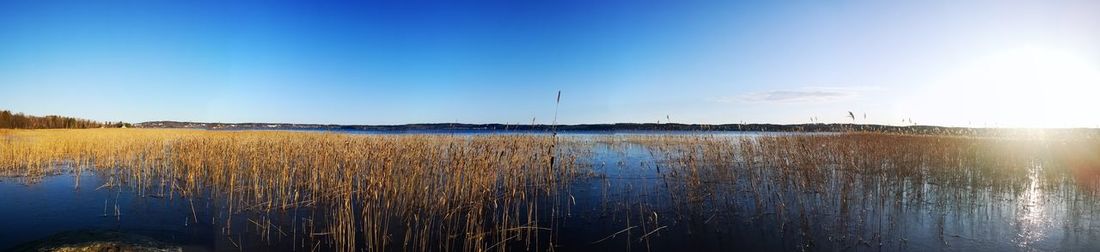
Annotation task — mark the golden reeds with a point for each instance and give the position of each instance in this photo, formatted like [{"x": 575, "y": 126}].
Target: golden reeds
[
  {"x": 857, "y": 184},
  {"x": 489, "y": 192},
  {"x": 415, "y": 192}
]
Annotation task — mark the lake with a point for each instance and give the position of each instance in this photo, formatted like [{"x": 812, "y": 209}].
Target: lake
[{"x": 646, "y": 191}]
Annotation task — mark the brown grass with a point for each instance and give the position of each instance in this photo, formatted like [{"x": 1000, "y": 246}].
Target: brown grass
[
  {"x": 862, "y": 181},
  {"x": 477, "y": 193},
  {"x": 415, "y": 192}
]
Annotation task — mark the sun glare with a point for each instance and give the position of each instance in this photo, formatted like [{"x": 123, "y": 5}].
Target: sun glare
[{"x": 1024, "y": 87}]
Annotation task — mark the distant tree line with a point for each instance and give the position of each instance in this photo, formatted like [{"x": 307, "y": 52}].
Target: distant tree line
[{"x": 9, "y": 120}]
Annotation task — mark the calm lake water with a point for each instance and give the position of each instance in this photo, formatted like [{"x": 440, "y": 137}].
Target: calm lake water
[{"x": 629, "y": 203}]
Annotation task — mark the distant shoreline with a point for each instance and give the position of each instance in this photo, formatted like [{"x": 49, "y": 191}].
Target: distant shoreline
[{"x": 636, "y": 127}]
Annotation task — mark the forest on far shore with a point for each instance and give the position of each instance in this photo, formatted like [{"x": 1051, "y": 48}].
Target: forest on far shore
[{"x": 9, "y": 120}]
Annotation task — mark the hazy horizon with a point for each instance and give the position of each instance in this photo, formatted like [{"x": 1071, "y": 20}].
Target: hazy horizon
[
  {"x": 946, "y": 63},
  {"x": 551, "y": 123}
]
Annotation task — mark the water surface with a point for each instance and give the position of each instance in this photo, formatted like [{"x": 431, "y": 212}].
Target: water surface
[{"x": 634, "y": 200}]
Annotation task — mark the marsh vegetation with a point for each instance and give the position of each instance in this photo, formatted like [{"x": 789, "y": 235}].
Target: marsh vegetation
[{"x": 843, "y": 191}]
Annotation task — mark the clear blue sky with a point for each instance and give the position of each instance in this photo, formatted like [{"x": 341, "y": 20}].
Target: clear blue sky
[{"x": 1003, "y": 63}]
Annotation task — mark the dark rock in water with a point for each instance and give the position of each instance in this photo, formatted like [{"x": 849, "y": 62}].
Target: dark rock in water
[{"x": 97, "y": 241}]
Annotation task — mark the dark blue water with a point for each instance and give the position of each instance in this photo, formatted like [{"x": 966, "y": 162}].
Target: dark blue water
[
  {"x": 55, "y": 205},
  {"x": 33, "y": 211}
]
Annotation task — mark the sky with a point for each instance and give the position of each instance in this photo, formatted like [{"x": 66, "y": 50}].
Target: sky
[{"x": 953, "y": 63}]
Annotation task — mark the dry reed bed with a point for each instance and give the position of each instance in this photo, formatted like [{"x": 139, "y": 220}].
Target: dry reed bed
[
  {"x": 415, "y": 192},
  {"x": 476, "y": 193},
  {"x": 857, "y": 186}
]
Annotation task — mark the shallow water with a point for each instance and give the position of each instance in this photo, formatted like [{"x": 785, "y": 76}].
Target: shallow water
[
  {"x": 55, "y": 205},
  {"x": 631, "y": 203},
  {"x": 727, "y": 219}
]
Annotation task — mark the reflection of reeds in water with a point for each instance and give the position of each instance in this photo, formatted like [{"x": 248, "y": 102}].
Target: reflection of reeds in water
[
  {"x": 858, "y": 187},
  {"x": 416, "y": 192}
]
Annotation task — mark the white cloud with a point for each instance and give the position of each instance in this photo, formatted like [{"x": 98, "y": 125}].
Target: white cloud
[{"x": 805, "y": 95}]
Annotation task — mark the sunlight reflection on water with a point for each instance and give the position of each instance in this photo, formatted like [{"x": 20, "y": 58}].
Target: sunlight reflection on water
[{"x": 1032, "y": 219}]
